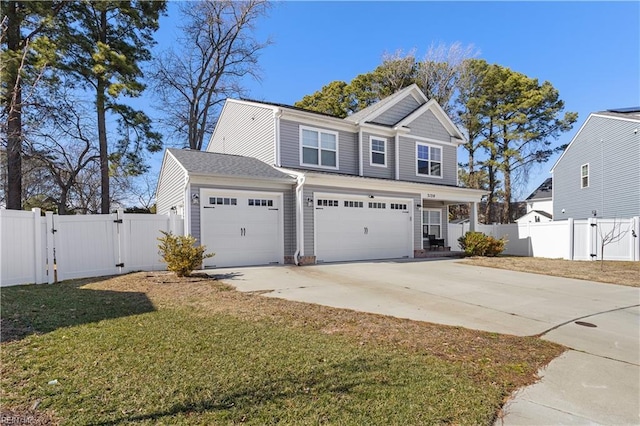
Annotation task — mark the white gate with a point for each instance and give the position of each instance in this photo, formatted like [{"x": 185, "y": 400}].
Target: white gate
[{"x": 35, "y": 249}]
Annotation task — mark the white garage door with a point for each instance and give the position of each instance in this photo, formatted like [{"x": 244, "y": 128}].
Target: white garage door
[
  {"x": 241, "y": 228},
  {"x": 357, "y": 228}
]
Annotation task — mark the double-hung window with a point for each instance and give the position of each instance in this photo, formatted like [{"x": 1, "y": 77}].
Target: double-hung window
[
  {"x": 378, "y": 154},
  {"x": 584, "y": 176},
  {"x": 319, "y": 148},
  {"x": 429, "y": 160}
]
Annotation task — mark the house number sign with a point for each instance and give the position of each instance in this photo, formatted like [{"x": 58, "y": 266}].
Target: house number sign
[{"x": 430, "y": 195}]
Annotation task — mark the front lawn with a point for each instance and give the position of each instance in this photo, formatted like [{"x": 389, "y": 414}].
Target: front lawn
[
  {"x": 612, "y": 272},
  {"x": 148, "y": 348}
]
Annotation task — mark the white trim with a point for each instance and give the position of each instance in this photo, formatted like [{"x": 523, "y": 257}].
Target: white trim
[
  {"x": 320, "y": 149},
  {"x": 393, "y": 99},
  {"x": 428, "y": 191},
  {"x": 360, "y": 154},
  {"x": 385, "y": 153},
  {"x": 314, "y": 119},
  {"x": 276, "y": 117},
  {"x": 587, "y": 176},
  {"x": 633, "y": 120},
  {"x": 429, "y": 146},
  {"x": 397, "y": 159},
  {"x": 431, "y": 140}
]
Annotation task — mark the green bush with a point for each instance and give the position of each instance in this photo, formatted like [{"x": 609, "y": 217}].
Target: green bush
[
  {"x": 479, "y": 244},
  {"x": 181, "y": 254}
]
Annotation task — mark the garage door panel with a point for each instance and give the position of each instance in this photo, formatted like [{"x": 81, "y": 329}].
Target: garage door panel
[
  {"x": 245, "y": 230},
  {"x": 348, "y": 228}
]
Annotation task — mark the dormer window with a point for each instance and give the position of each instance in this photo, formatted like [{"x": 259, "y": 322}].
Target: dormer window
[
  {"x": 318, "y": 148},
  {"x": 429, "y": 160}
]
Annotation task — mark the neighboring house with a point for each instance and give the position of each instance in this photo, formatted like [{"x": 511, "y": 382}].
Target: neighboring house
[
  {"x": 284, "y": 185},
  {"x": 539, "y": 204},
  {"x": 599, "y": 172}
]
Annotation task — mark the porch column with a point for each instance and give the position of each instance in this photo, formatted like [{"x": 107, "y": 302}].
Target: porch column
[{"x": 473, "y": 216}]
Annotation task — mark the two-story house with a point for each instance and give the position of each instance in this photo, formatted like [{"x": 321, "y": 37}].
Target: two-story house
[
  {"x": 598, "y": 174},
  {"x": 278, "y": 184}
]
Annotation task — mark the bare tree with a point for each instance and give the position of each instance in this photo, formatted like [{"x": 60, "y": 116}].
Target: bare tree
[
  {"x": 611, "y": 236},
  {"x": 222, "y": 49},
  {"x": 63, "y": 143},
  {"x": 439, "y": 72}
]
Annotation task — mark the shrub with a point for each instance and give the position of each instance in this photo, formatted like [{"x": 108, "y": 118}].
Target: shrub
[
  {"x": 181, "y": 254},
  {"x": 479, "y": 244}
]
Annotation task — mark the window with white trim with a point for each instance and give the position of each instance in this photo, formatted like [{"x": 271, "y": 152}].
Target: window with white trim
[
  {"x": 378, "y": 152},
  {"x": 431, "y": 223},
  {"x": 584, "y": 176},
  {"x": 318, "y": 147},
  {"x": 428, "y": 160}
]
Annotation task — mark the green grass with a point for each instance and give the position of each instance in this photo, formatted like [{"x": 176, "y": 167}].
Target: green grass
[{"x": 121, "y": 357}]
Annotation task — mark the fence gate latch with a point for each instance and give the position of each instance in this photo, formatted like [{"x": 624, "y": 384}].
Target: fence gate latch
[
  {"x": 117, "y": 221},
  {"x": 120, "y": 265}
]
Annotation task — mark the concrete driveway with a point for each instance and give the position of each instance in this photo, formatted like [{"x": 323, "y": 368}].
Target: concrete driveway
[{"x": 597, "y": 381}]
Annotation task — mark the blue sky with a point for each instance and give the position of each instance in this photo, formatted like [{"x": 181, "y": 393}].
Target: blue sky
[{"x": 590, "y": 51}]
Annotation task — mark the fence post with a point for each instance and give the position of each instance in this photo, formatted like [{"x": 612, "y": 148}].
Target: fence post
[
  {"x": 51, "y": 267},
  {"x": 571, "y": 224},
  {"x": 121, "y": 241},
  {"x": 38, "y": 247},
  {"x": 635, "y": 238},
  {"x": 592, "y": 239}
]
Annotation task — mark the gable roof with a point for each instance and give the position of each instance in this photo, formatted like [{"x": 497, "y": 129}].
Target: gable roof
[
  {"x": 543, "y": 191},
  {"x": 440, "y": 114},
  {"x": 215, "y": 164},
  {"x": 628, "y": 114},
  {"x": 372, "y": 111}
]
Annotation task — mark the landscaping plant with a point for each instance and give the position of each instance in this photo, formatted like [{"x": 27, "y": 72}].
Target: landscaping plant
[
  {"x": 181, "y": 253},
  {"x": 479, "y": 244}
]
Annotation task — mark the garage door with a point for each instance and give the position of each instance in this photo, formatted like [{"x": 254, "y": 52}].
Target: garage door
[
  {"x": 241, "y": 228},
  {"x": 358, "y": 228}
]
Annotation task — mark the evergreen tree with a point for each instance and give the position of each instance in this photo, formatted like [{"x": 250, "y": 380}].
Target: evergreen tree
[{"x": 104, "y": 48}]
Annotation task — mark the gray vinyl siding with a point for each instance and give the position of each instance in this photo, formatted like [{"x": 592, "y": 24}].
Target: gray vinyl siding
[
  {"x": 309, "y": 191},
  {"x": 433, "y": 205},
  {"x": 428, "y": 126},
  {"x": 289, "y": 220},
  {"x": 398, "y": 111},
  {"x": 290, "y": 148},
  {"x": 170, "y": 190},
  {"x": 614, "y": 172},
  {"x": 408, "y": 163},
  {"x": 247, "y": 130},
  {"x": 388, "y": 172}
]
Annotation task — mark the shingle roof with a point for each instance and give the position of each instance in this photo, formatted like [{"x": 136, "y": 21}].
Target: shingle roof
[
  {"x": 215, "y": 164},
  {"x": 543, "y": 191},
  {"x": 543, "y": 213},
  {"x": 632, "y": 113}
]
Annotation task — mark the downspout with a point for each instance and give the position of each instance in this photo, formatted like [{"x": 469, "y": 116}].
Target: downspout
[
  {"x": 187, "y": 207},
  {"x": 299, "y": 219},
  {"x": 276, "y": 132},
  {"x": 397, "y": 149},
  {"x": 360, "y": 155}
]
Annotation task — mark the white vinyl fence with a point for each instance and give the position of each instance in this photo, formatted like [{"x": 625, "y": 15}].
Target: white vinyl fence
[
  {"x": 566, "y": 239},
  {"x": 36, "y": 249}
]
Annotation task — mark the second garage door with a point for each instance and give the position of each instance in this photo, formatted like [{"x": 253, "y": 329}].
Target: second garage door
[
  {"x": 358, "y": 228},
  {"x": 241, "y": 228}
]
